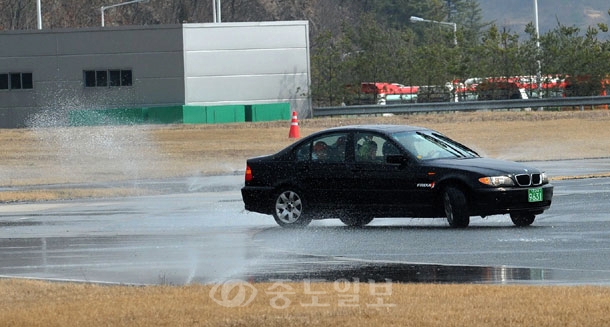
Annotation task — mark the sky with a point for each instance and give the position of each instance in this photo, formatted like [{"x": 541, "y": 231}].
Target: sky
[{"x": 515, "y": 14}]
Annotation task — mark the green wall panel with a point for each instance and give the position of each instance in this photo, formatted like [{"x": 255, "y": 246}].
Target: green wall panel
[
  {"x": 194, "y": 115},
  {"x": 163, "y": 115},
  {"x": 124, "y": 116},
  {"x": 181, "y": 114},
  {"x": 85, "y": 118},
  {"x": 226, "y": 114},
  {"x": 127, "y": 116},
  {"x": 268, "y": 112}
]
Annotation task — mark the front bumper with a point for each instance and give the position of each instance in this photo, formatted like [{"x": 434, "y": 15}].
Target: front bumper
[{"x": 493, "y": 201}]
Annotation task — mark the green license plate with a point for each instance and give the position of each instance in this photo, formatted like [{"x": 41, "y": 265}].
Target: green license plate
[{"x": 534, "y": 195}]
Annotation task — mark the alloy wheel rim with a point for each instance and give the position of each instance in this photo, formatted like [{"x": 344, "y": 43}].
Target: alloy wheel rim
[{"x": 288, "y": 207}]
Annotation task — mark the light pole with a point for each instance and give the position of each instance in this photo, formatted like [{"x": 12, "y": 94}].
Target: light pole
[
  {"x": 539, "y": 73},
  {"x": 415, "y": 19},
  {"x": 118, "y": 4},
  {"x": 216, "y": 7},
  {"x": 39, "y": 14}
]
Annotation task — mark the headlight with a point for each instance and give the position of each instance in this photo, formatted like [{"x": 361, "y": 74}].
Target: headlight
[
  {"x": 497, "y": 181},
  {"x": 544, "y": 178}
]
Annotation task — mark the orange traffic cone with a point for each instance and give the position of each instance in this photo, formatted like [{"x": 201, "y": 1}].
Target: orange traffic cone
[{"x": 294, "y": 127}]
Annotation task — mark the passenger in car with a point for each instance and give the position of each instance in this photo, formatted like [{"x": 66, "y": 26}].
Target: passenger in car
[
  {"x": 320, "y": 151},
  {"x": 368, "y": 151}
]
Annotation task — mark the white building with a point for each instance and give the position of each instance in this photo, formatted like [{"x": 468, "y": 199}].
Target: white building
[{"x": 163, "y": 68}]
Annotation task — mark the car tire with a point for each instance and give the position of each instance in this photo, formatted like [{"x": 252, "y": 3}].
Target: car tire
[
  {"x": 356, "y": 220},
  {"x": 522, "y": 219},
  {"x": 456, "y": 207},
  {"x": 288, "y": 209}
]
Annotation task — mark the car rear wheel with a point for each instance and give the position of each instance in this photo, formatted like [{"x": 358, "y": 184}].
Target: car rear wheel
[
  {"x": 522, "y": 219},
  {"x": 356, "y": 220},
  {"x": 456, "y": 207},
  {"x": 288, "y": 210}
]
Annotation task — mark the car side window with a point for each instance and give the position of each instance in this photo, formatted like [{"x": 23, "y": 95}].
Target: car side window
[
  {"x": 373, "y": 148},
  {"x": 367, "y": 147},
  {"x": 328, "y": 148},
  {"x": 388, "y": 149},
  {"x": 303, "y": 152}
]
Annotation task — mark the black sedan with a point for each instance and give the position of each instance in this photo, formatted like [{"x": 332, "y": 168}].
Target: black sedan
[{"x": 357, "y": 173}]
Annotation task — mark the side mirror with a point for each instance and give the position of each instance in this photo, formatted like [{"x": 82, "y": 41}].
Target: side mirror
[{"x": 397, "y": 159}]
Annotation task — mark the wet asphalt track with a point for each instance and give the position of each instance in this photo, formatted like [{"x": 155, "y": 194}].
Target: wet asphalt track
[{"x": 199, "y": 232}]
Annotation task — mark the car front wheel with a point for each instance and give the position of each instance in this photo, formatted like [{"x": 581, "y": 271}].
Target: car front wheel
[
  {"x": 288, "y": 210},
  {"x": 456, "y": 207},
  {"x": 522, "y": 219}
]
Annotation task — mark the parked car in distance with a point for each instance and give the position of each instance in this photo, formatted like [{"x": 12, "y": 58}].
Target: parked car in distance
[{"x": 357, "y": 173}]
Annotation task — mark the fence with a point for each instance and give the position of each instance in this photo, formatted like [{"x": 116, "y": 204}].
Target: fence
[{"x": 534, "y": 104}]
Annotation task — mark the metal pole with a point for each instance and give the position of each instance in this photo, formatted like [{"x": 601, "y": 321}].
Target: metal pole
[
  {"x": 118, "y": 4},
  {"x": 38, "y": 10},
  {"x": 539, "y": 73},
  {"x": 217, "y": 8},
  {"x": 214, "y": 11},
  {"x": 219, "y": 12},
  {"x": 416, "y": 19},
  {"x": 454, "y": 34}
]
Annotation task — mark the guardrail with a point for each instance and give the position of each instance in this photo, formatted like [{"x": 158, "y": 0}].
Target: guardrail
[{"x": 580, "y": 102}]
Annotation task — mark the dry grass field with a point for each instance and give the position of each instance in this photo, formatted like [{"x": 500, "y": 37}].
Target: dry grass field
[
  {"x": 39, "y": 157},
  {"x": 33, "y": 303}
]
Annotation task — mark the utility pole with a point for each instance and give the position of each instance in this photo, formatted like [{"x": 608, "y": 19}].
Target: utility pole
[
  {"x": 38, "y": 10},
  {"x": 217, "y": 12},
  {"x": 116, "y": 5},
  {"x": 415, "y": 19},
  {"x": 539, "y": 73}
]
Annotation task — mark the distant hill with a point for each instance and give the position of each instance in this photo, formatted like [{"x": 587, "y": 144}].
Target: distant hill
[{"x": 515, "y": 14}]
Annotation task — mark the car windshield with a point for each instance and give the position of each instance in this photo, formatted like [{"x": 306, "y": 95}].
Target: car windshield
[{"x": 431, "y": 145}]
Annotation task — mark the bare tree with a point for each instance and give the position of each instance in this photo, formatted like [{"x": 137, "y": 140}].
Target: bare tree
[
  {"x": 323, "y": 14},
  {"x": 17, "y": 14},
  {"x": 64, "y": 14}
]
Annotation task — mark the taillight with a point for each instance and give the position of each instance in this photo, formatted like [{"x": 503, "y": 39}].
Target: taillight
[{"x": 248, "y": 173}]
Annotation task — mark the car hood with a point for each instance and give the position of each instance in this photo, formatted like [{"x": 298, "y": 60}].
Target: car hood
[{"x": 486, "y": 166}]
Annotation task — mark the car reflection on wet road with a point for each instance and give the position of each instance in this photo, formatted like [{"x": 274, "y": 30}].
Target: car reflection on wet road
[{"x": 206, "y": 236}]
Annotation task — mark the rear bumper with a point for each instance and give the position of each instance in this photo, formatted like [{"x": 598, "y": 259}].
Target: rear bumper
[
  {"x": 495, "y": 201},
  {"x": 258, "y": 199}
]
